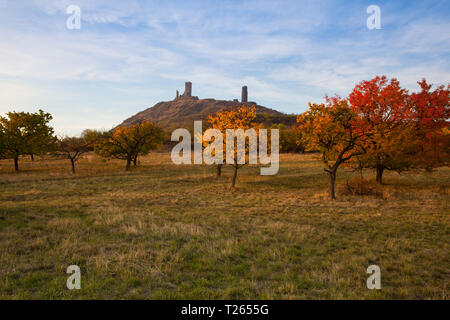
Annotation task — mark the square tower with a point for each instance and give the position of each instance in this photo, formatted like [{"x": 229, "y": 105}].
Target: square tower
[
  {"x": 244, "y": 97},
  {"x": 188, "y": 89}
]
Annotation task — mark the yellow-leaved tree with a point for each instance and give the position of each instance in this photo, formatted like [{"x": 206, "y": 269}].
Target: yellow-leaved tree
[{"x": 238, "y": 119}]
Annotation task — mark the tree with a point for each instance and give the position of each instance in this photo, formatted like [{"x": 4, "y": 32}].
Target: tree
[
  {"x": 384, "y": 113},
  {"x": 404, "y": 131},
  {"x": 289, "y": 138},
  {"x": 74, "y": 147},
  {"x": 430, "y": 122},
  {"x": 26, "y": 133},
  {"x": 94, "y": 137},
  {"x": 3, "y": 153},
  {"x": 41, "y": 137},
  {"x": 236, "y": 118},
  {"x": 126, "y": 143},
  {"x": 331, "y": 129}
]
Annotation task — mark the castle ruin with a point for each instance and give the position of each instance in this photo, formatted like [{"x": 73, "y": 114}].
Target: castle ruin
[{"x": 188, "y": 93}]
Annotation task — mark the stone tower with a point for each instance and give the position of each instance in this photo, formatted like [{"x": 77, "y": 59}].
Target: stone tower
[
  {"x": 188, "y": 89},
  {"x": 244, "y": 97}
]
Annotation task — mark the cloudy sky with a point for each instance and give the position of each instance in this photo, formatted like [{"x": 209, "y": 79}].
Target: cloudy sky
[{"x": 128, "y": 55}]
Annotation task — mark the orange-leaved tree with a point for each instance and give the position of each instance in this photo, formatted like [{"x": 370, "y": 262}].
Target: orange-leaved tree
[
  {"x": 331, "y": 130},
  {"x": 239, "y": 119},
  {"x": 127, "y": 143}
]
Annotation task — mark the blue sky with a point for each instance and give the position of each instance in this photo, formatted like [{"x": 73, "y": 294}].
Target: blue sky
[{"x": 128, "y": 55}]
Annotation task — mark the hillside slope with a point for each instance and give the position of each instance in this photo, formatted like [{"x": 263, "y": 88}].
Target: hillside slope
[{"x": 183, "y": 111}]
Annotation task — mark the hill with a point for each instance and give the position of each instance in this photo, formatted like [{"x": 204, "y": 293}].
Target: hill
[{"x": 185, "y": 109}]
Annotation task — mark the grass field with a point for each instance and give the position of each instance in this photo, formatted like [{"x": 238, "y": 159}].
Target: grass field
[{"x": 170, "y": 232}]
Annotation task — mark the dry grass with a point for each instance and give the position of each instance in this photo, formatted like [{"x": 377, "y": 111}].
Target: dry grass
[{"x": 166, "y": 231}]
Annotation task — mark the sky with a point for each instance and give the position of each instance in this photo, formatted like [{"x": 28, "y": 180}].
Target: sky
[{"x": 129, "y": 55}]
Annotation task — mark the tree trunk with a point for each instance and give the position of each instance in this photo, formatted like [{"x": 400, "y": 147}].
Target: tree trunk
[
  {"x": 219, "y": 170},
  {"x": 72, "y": 162},
  {"x": 361, "y": 181},
  {"x": 135, "y": 161},
  {"x": 128, "y": 164},
  {"x": 380, "y": 175},
  {"x": 233, "y": 182},
  {"x": 16, "y": 163},
  {"x": 332, "y": 176},
  {"x": 32, "y": 157}
]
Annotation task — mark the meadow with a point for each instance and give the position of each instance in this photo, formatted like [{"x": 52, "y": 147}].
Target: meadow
[{"x": 163, "y": 231}]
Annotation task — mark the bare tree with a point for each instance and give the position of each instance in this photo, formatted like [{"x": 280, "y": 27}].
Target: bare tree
[{"x": 73, "y": 147}]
